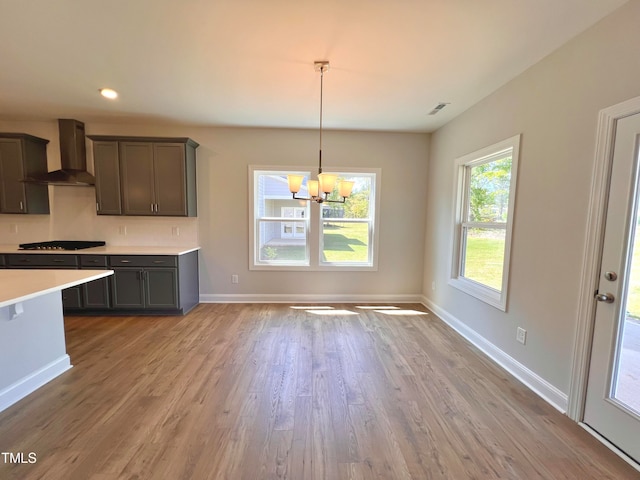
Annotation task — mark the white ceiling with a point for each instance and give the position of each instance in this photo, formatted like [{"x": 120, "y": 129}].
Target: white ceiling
[{"x": 250, "y": 62}]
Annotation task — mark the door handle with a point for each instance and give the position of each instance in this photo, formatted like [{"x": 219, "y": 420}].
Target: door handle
[{"x": 605, "y": 297}]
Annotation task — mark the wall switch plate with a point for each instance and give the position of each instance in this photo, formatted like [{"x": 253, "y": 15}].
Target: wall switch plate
[
  {"x": 175, "y": 231},
  {"x": 122, "y": 230},
  {"x": 433, "y": 286},
  {"x": 234, "y": 278},
  {"x": 521, "y": 335}
]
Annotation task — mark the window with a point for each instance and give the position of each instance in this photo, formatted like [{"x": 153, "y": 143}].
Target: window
[
  {"x": 486, "y": 182},
  {"x": 293, "y": 234},
  {"x": 281, "y": 224},
  {"x": 346, "y": 229}
]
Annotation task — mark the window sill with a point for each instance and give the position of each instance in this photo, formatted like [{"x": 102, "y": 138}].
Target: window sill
[
  {"x": 315, "y": 268},
  {"x": 487, "y": 295}
]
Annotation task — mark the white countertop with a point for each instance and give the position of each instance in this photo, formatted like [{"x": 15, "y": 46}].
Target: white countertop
[
  {"x": 21, "y": 285},
  {"x": 108, "y": 250}
]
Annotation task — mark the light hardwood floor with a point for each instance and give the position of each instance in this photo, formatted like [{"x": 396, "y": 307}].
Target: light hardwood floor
[{"x": 267, "y": 392}]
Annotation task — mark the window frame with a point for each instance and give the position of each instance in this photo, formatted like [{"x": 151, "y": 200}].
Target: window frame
[
  {"x": 463, "y": 166},
  {"x": 314, "y": 223}
]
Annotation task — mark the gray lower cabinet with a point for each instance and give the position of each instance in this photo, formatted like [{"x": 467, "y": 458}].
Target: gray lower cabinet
[
  {"x": 95, "y": 294},
  {"x": 155, "y": 283},
  {"x": 149, "y": 284},
  {"x": 145, "y": 288},
  {"x": 21, "y": 156},
  {"x": 128, "y": 288},
  {"x": 72, "y": 298},
  {"x": 145, "y": 282}
]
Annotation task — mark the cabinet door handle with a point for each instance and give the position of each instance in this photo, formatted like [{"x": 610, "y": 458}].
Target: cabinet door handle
[
  {"x": 158, "y": 261},
  {"x": 21, "y": 205},
  {"x": 58, "y": 260},
  {"x": 97, "y": 207},
  {"x": 156, "y": 208},
  {"x": 125, "y": 261},
  {"x": 152, "y": 207}
]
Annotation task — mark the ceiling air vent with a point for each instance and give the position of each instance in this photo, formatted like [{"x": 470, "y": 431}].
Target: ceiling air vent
[{"x": 438, "y": 107}]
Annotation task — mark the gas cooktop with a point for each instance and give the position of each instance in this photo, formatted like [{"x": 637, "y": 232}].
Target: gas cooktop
[{"x": 61, "y": 245}]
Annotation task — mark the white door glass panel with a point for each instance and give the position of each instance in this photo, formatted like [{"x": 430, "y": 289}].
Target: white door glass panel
[
  {"x": 612, "y": 405},
  {"x": 626, "y": 371}
]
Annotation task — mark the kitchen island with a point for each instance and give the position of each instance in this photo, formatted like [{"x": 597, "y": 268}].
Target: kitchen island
[{"x": 32, "y": 341}]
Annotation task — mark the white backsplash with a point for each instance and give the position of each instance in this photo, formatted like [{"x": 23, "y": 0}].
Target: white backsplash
[{"x": 73, "y": 217}]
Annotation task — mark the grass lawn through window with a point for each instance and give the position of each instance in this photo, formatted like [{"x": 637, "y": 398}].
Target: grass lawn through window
[
  {"x": 483, "y": 264},
  {"x": 483, "y": 260},
  {"x": 344, "y": 242}
]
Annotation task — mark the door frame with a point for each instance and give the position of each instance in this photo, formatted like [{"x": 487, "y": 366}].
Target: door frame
[{"x": 600, "y": 178}]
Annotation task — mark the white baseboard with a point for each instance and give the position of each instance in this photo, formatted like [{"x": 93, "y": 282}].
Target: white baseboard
[
  {"x": 539, "y": 385},
  {"x": 33, "y": 381},
  {"x": 310, "y": 298}
]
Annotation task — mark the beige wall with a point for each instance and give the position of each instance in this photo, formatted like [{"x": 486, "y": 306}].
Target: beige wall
[
  {"x": 554, "y": 105},
  {"x": 222, "y": 224}
]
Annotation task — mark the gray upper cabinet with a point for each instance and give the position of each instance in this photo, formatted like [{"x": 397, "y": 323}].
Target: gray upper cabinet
[
  {"x": 107, "y": 173},
  {"x": 137, "y": 167},
  {"x": 145, "y": 176},
  {"x": 170, "y": 179},
  {"x": 22, "y": 155}
]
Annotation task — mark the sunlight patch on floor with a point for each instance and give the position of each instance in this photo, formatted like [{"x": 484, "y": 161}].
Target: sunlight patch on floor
[
  {"x": 332, "y": 312},
  {"x": 312, "y": 307},
  {"x": 377, "y": 307},
  {"x": 401, "y": 312}
]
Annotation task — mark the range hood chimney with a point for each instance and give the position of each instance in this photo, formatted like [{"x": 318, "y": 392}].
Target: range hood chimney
[{"x": 73, "y": 158}]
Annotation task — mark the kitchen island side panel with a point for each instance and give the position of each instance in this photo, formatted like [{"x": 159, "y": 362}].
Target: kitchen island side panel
[{"x": 32, "y": 346}]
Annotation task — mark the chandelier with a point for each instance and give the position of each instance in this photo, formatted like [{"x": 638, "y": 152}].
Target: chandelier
[{"x": 320, "y": 189}]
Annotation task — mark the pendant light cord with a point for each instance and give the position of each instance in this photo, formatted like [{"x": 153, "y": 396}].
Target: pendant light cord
[{"x": 320, "y": 151}]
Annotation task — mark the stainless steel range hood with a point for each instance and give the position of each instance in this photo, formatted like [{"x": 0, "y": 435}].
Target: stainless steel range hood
[{"x": 73, "y": 158}]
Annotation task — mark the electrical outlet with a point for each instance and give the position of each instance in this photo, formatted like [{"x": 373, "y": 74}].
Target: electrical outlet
[
  {"x": 234, "y": 278},
  {"x": 433, "y": 286},
  {"x": 122, "y": 230},
  {"x": 13, "y": 228},
  {"x": 521, "y": 335},
  {"x": 175, "y": 231}
]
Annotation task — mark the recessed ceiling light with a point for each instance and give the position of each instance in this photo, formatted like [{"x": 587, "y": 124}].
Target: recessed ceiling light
[{"x": 108, "y": 93}]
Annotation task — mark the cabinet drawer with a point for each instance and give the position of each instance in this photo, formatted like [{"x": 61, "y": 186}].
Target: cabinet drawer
[
  {"x": 42, "y": 260},
  {"x": 143, "y": 261},
  {"x": 93, "y": 260}
]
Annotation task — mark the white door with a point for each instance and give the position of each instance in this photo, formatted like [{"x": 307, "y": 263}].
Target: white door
[
  {"x": 292, "y": 229},
  {"x": 612, "y": 405}
]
